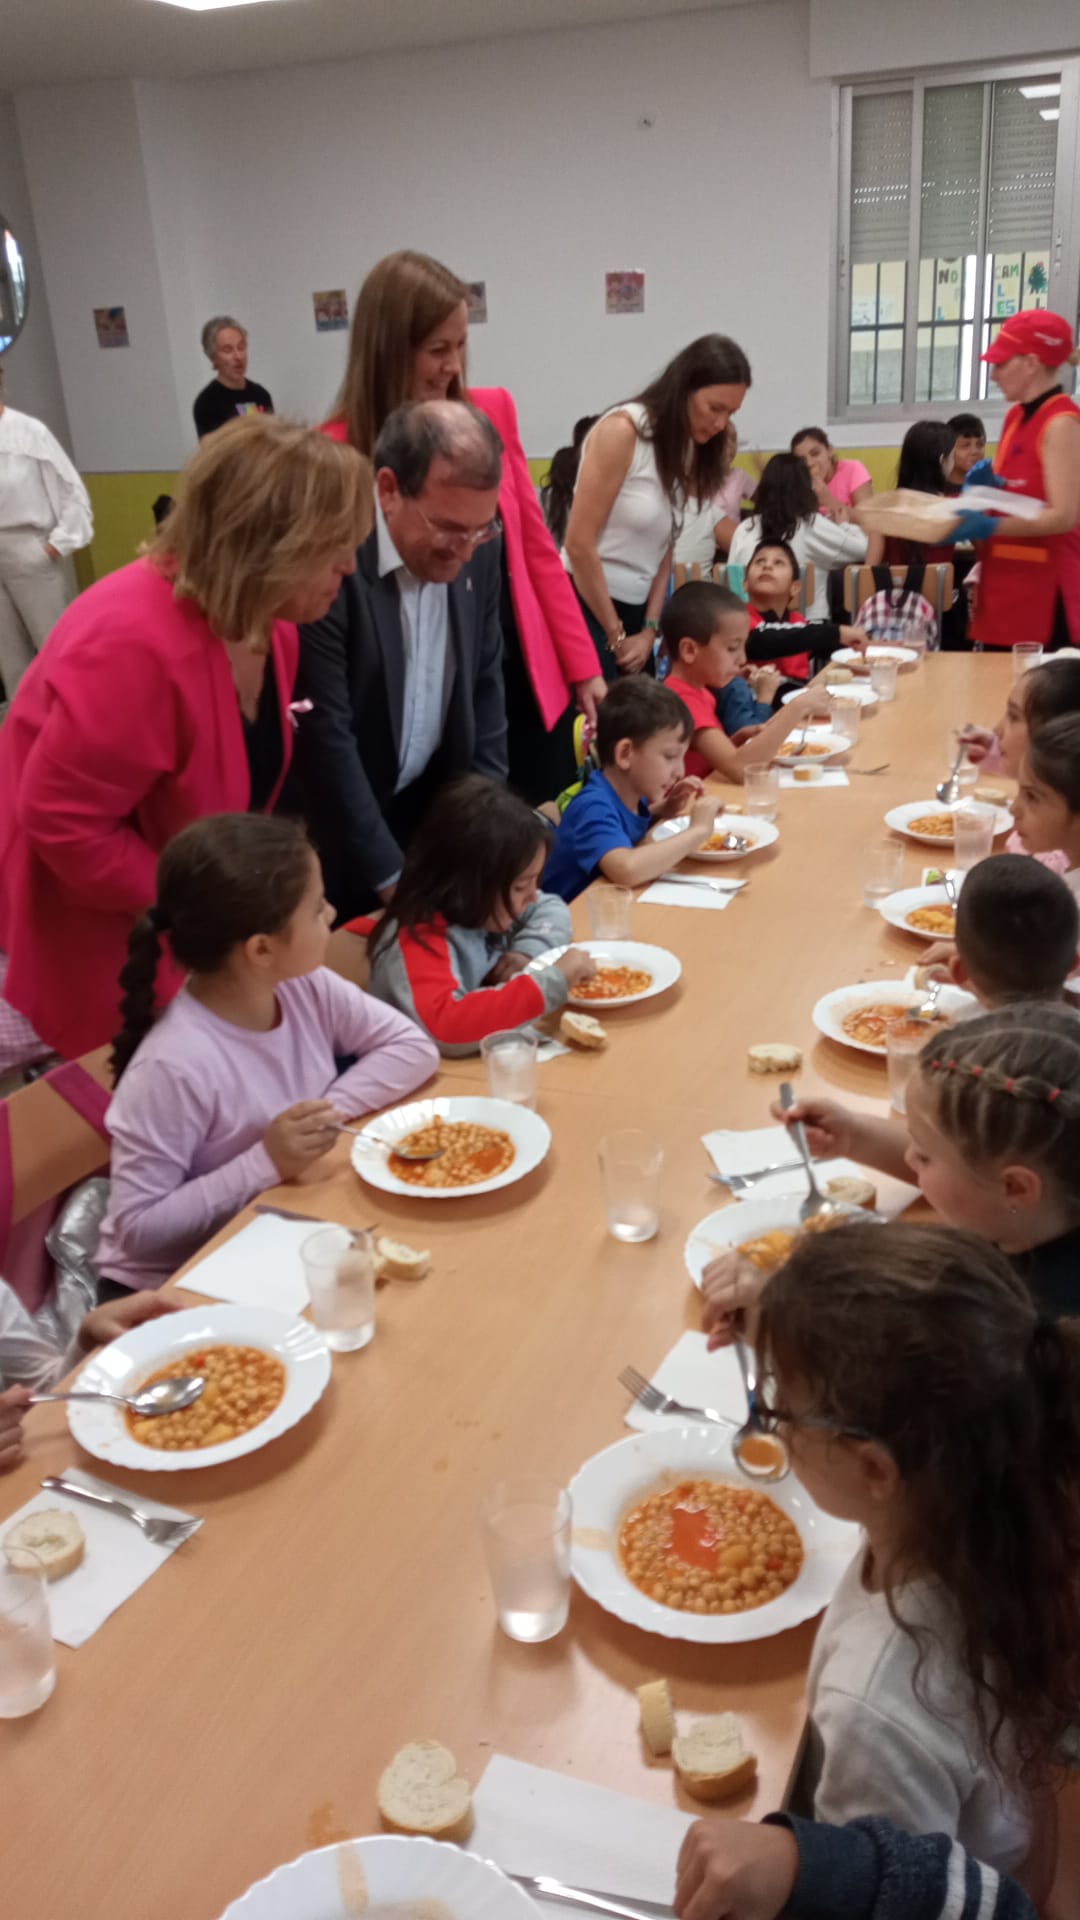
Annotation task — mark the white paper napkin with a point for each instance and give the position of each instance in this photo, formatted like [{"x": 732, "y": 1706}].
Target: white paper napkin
[
  {"x": 259, "y": 1267},
  {"x": 530, "y": 1820},
  {"x": 830, "y": 777},
  {"x": 118, "y": 1557},
  {"x": 697, "y": 1378},
  {"x": 668, "y": 893},
  {"x": 739, "y": 1151}
]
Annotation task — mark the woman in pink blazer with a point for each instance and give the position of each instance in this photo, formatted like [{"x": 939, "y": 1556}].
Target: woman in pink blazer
[
  {"x": 409, "y": 331},
  {"x": 162, "y": 694}
]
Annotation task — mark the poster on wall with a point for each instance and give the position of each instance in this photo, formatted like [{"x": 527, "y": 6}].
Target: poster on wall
[
  {"x": 110, "y": 325},
  {"x": 476, "y": 301},
  {"x": 625, "y": 293},
  {"x": 331, "y": 310}
]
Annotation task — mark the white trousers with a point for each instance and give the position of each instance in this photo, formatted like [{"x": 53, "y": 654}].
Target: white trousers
[{"x": 33, "y": 595}]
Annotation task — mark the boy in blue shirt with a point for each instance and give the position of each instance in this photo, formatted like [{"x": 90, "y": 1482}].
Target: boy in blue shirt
[{"x": 642, "y": 733}]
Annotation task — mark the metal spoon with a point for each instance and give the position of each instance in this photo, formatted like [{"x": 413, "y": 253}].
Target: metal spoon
[
  {"x": 949, "y": 885},
  {"x": 928, "y": 1010},
  {"x": 733, "y": 843},
  {"x": 948, "y": 791},
  {"x": 419, "y": 1155},
  {"x": 815, "y": 1202},
  {"x": 165, "y": 1396},
  {"x": 773, "y": 1462}
]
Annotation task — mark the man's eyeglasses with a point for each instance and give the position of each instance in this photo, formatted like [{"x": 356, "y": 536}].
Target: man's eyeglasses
[
  {"x": 772, "y": 1419},
  {"x": 458, "y": 536}
]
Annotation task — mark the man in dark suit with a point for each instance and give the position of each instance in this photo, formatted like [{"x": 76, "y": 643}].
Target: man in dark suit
[{"x": 405, "y": 672}]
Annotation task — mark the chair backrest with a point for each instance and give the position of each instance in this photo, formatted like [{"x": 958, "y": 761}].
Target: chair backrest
[
  {"x": 52, "y": 1135},
  {"x": 937, "y": 586},
  {"x": 718, "y": 575}
]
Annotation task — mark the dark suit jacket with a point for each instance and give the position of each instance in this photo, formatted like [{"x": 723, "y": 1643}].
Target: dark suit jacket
[{"x": 352, "y": 669}]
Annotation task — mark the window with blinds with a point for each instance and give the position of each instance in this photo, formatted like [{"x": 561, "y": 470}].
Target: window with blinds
[{"x": 955, "y": 195}]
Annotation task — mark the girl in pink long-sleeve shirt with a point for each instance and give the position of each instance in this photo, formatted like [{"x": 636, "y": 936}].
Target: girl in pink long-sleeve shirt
[
  {"x": 1047, "y": 693},
  {"x": 235, "y": 1087}
]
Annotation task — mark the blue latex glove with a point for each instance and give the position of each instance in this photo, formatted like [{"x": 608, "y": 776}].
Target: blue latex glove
[
  {"x": 970, "y": 526},
  {"x": 982, "y": 475}
]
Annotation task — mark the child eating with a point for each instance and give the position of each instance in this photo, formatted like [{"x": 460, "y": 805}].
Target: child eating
[
  {"x": 468, "y": 917},
  {"x": 703, "y": 631},
  {"x": 1017, "y": 931},
  {"x": 1047, "y": 804},
  {"x": 771, "y": 579},
  {"x": 642, "y": 732}
]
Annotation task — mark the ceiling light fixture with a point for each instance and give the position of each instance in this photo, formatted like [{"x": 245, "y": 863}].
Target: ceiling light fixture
[
  {"x": 1049, "y": 113},
  {"x": 209, "y": 6},
  {"x": 1044, "y": 90}
]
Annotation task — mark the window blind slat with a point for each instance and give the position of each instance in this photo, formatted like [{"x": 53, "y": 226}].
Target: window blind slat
[
  {"x": 951, "y": 165},
  {"x": 880, "y": 176},
  {"x": 1023, "y": 156}
]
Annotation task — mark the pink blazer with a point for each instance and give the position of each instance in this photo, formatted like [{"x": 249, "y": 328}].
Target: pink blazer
[
  {"x": 124, "y": 729},
  {"x": 555, "y": 641}
]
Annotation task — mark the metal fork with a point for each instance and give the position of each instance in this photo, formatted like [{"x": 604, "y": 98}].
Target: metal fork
[
  {"x": 741, "y": 1182},
  {"x": 651, "y": 1400},
  {"x": 162, "y": 1533},
  {"x": 703, "y": 880},
  {"x": 868, "y": 772}
]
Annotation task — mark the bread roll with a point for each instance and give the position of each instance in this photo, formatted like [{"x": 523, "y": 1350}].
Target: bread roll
[
  {"x": 395, "y": 1261},
  {"x": 808, "y": 774},
  {"x": 711, "y": 1761},
  {"x": 422, "y": 1792},
  {"x": 53, "y": 1536},
  {"x": 838, "y": 676},
  {"x": 774, "y": 1057},
  {"x": 581, "y": 1030},
  {"x": 852, "y": 1189},
  {"x": 657, "y": 1716},
  {"x": 992, "y": 796}
]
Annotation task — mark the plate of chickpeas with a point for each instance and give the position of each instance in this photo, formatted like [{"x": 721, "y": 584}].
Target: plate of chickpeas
[
  {"x": 668, "y": 1535},
  {"x": 263, "y": 1371}
]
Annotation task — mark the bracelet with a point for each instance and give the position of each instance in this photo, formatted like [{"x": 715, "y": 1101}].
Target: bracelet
[
  {"x": 613, "y": 639},
  {"x": 653, "y": 624}
]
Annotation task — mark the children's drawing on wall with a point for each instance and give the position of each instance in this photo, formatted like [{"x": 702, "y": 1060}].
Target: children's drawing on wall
[
  {"x": 625, "y": 292},
  {"x": 331, "y": 310},
  {"x": 110, "y": 325},
  {"x": 476, "y": 301}
]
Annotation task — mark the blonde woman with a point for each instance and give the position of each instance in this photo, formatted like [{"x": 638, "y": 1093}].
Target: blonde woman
[
  {"x": 409, "y": 334},
  {"x": 44, "y": 514},
  {"x": 163, "y": 695}
]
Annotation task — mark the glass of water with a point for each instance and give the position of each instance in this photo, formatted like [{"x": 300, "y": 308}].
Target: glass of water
[
  {"x": 883, "y": 872},
  {"x": 883, "y": 678},
  {"x": 526, "y": 1527},
  {"x": 973, "y": 831},
  {"x": 630, "y": 1166},
  {"x": 1026, "y": 654},
  {"x": 339, "y": 1267},
  {"x": 27, "y": 1655},
  {"x": 609, "y": 911},
  {"x": 845, "y": 718},
  {"x": 904, "y": 1041},
  {"x": 761, "y": 789},
  {"x": 510, "y": 1060}
]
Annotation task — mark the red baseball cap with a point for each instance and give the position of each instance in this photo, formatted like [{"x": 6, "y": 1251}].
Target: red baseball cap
[{"x": 1047, "y": 335}]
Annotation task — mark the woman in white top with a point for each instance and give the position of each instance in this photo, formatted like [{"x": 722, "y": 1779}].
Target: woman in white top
[
  {"x": 786, "y": 513},
  {"x": 44, "y": 514},
  {"x": 708, "y": 526},
  {"x": 639, "y": 465}
]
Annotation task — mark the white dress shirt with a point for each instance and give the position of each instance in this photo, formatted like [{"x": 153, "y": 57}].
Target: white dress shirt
[
  {"x": 27, "y": 1356},
  {"x": 425, "y": 635},
  {"x": 40, "y": 492}
]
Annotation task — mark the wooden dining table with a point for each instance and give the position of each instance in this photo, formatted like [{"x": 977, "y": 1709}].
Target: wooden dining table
[{"x": 239, "y": 1708}]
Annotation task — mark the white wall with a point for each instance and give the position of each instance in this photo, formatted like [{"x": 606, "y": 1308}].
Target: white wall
[
  {"x": 871, "y": 37},
  {"x": 31, "y": 370},
  {"x": 519, "y": 162}
]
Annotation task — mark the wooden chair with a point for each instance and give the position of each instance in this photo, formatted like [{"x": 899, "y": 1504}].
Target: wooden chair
[
  {"x": 718, "y": 575},
  {"x": 1063, "y": 1902},
  {"x": 938, "y": 582},
  {"x": 52, "y": 1135}
]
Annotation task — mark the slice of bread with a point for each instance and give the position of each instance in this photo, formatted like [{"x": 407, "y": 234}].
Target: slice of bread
[
  {"x": 774, "y": 1057},
  {"x": 581, "y": 1030},
  {"x": 396, "y": 1261},
  {"x": 992, "y": 796},
  {"x": 657, "y": 1716},
  {"x": 422, "y": 1792},
  {"x": 808, "y": 774},
  {"x": 852, "y": 1190},
  {"x": 837, "y": 676},
  {"x": 51, "y": 1539},
  {"x": 711, "y": 1761}
]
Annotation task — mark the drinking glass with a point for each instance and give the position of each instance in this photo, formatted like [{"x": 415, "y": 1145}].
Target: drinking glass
[
  {"x": 904, "y": 1041},
  {"x": 967, "y": 775},
  {"x": 761, "y": 789},
  {"x": 609, "y": 911},
  {"x": 27, "y": 1655},
  {"x": 883, "y": 871},
  {"x": 845, "y": 718},
  {"x": 1026, "y": 654},
  {"x": 510, "y": 1060},
  {"x": 339, "y": 1267},
  {"x": 526, "y": 1529},
  {"x": 883, "y": 678},
  {"x": 973, "y": 828},
  {"x": 630, "y": 1165}
]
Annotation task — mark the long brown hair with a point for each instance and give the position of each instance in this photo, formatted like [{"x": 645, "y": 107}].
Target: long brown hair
[
  {"x": 927, "y": 1339},
  {"x": 684, "y": 467},
  {"x": 404, "y": 298},
  {"x": 256, "y": 508}
]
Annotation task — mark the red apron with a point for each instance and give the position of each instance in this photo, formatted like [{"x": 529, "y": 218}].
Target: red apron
[{"x": 1019, "y": 580}]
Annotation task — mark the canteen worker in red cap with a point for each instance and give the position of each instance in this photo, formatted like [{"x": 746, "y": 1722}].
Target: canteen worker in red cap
[{"x": 1029, "y": 584}]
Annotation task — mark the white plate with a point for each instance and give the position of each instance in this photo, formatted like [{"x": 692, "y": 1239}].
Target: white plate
[
  {"x": 837, "y": 744},
  {"x": 609, "y": 1483},
  {"x": 898, "y": 905},
  {"x": 663, "y": 966},
  {"x": 743, "y": 1220},
  {"x": 531, "y": 1137},
  {"x": 900, "y": 818},
  {"x": 904, "y": 656},
  {"x": 857, "y": 690},
  {"x": 123, "y": 1366},
  {"x": 335, "y": 1882},
  {"x": 761, "y": 832},
  {"x": 831, "y": 1010}
]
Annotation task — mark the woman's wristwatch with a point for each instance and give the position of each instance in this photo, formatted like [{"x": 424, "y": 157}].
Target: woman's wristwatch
[{"x": 651, "y": 625}]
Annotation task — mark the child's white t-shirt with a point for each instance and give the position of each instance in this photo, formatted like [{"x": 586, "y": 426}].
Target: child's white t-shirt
[{"x": 878, "y": 1746}]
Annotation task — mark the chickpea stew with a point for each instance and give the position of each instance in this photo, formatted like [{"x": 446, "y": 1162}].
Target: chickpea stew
[
  {"x": 705, "y": 1546},
  {"x": 468, "y": 1153},
  {"x": 243, "y": 1387}
]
